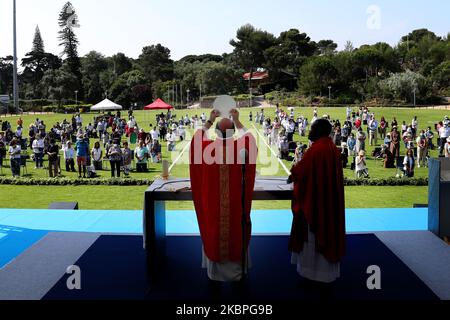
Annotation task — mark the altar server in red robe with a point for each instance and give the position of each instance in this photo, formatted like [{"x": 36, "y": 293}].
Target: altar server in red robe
[
  {"x": 318, "y": 232},
  {"x": 216, "y": 180}
]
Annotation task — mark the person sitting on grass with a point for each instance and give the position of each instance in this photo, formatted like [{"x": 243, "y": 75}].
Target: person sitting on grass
[
  {"x": 361, "y": 166},
  {"x": 299, "y": 152},
  {"x": 409, "y": 164},
  {"x": 82, "y": 148}
]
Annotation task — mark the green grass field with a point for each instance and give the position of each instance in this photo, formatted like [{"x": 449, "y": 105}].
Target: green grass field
[{"x": 131, "y": 197}]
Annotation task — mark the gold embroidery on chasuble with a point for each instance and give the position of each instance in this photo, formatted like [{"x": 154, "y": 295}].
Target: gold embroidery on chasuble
[{"x": 224, "y": 177}]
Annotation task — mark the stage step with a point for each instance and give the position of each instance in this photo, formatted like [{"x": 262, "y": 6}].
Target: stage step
[{"x": 63, "y": 206}]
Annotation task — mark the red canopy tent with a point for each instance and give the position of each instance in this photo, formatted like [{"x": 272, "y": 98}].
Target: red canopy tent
[{"x": 158, "y": 105}]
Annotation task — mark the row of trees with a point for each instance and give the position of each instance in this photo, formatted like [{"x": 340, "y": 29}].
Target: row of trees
[{"x": 419, "y": 65}]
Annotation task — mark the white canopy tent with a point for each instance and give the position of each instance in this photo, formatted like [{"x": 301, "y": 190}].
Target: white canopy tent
[{"x": 106, "y": 105}]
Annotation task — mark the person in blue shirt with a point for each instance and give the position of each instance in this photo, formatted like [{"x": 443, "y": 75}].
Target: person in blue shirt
[
  {"x": 82, "y": 148},
  {"x": 351, "y": 144}
]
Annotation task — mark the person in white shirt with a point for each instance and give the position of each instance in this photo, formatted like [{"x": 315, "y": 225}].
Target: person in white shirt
[
  {"x": 15, "y": 153},
  {"x": 361, "y": 166},
  {"x": 444, "y": 133},
  {"x": 182, "y": 133},
  {"x": 100, "y": 128},
  {"x": 69, "y": 157},
  {"x": 414, "y": 126},
  {"x": 79, "y": 121},
  {"x": 447, "y": 148},
  {"x": 349, "y": 112},
  {"x": 38, "y": 150},
  {"x": 97, "y": 156},
  {"x": 171, "y": 140},
  {"x": 154, "y": 134},
  {"x": 290, "y": 128}
]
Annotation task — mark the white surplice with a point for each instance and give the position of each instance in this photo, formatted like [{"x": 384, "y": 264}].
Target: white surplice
[
  {"x": 224, "y": 271},
  {"x": 314, "y": 266}
]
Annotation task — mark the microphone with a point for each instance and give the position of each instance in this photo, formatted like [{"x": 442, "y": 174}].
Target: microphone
[{"x": 243, "y": 154}]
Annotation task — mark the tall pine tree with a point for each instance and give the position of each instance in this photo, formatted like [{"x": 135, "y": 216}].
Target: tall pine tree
[
  {"x": 35, "y": 64},
  {"x": 68, "y": 19},
  {"x": 38, "y": 43}
]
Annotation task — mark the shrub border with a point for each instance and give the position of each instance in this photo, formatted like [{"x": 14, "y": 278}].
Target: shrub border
[{"x": 146, "y": 182}]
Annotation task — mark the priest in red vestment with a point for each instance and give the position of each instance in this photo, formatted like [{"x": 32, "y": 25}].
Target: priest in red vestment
[
  {"x": 216, "y": 179},
  {"x": 318, "y": 232}
]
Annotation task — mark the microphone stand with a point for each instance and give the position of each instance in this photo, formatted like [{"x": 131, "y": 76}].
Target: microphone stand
[{"x": 244, "y": 221}]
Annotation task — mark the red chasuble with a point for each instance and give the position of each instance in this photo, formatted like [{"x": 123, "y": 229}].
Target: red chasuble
[
  {"x": 319, "y": 201},
  {"x": 216, "y": 182}
]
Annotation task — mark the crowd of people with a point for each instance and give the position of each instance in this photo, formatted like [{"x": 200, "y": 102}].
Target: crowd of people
[
  {"x": 105, "y": 140},
  {"x": 360, "y": 129}
]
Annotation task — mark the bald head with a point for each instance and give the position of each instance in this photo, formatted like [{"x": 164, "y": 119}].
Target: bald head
[
  {"x": 225, "y": 128},
  {"x": 225, "y": 124}
]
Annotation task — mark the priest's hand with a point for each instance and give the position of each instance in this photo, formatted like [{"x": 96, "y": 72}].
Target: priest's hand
[
  {"x": 212, "y": 119},
  {"x": 235, "y": 115},
  {"x": 214, "y": 115}
]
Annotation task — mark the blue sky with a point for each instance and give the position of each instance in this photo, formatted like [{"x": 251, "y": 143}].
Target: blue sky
[{"x": 196, "y": 26}]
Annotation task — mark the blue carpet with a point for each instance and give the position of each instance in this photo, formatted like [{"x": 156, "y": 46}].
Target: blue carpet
[
  {"x": 32, "y": 225},
  {"x": 13, "y": 241},
  {"x": 185, "y": 222},
  {"x": 114, "y": 268}
]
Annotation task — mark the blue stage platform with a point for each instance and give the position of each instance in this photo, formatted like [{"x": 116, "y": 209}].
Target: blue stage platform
[{"x": 19, "y": 229}]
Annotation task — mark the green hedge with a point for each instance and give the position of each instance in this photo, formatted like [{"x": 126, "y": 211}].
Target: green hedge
[
  {"x": 146, "y": 182},
  {"x": 34, "y": 105},
  {"x": 73, "y": 108},
  {"x": 420, "y": 182},
  {"x": 73, "y": 182}
]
